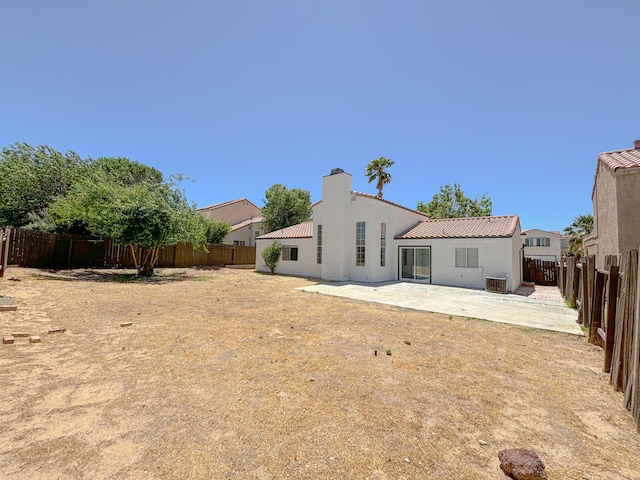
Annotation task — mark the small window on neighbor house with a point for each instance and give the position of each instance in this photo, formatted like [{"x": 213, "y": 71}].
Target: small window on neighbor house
[
  {"x": 256, "y": 233},
  {"x": 238, "y": 242},
  {"x": 467, "y": 257},
  {"x": 537, "y": 242},
  {"x": 319, "y": 246},
  {"x": 360, "y": 243},
  {"x": 290, "y": 253}
]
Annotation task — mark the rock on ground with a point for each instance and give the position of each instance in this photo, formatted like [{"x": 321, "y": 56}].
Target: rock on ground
[{"x": 521, "y": 464}]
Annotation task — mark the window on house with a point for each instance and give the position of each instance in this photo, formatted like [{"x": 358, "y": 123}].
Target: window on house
[
  {"x": 319, "y": 248},
  {"x": 360, "y": 240},
  {"x": 238, "y": 242},
  {"x": 383, "y": 244},
  {"x": 290, "y": 253},
  {"x": 537, "y": 242},
  {"x": 467, "y": 257}
]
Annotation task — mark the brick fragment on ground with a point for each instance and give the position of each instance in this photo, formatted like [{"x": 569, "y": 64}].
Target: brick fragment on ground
[
  {"x": 8, "y": 339},
  {"x": 8, "y": 308},
  {"x": 521, "y": 464},
  {"x": 126, "y": 324},
  {"x": 35, "y": 339},
  {"x": 57, "y": 330},
  {"x": 20, "y": 335}
]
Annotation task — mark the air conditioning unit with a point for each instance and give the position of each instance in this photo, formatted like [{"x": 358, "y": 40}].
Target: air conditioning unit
[{"x": 496, "y": 285}]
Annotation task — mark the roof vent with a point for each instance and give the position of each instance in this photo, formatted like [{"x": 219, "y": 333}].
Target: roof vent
[
  {"x": 636, "y": 144},
  {"x": 336, "y": 171}
]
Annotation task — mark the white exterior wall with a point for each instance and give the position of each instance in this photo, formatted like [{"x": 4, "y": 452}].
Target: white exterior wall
[
  {"x": 305, "y": 266},
  {"x": 332, "y": 214},
  {"x": 496, "y": 258},
  {"x": 550, "y": 253},
  {"x": 338, "y": 214},
  {"x": 517, "y": 252},
  {"x": 244, "y": 234}
]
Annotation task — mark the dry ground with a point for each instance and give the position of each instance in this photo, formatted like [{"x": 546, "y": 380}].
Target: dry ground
[{"x": 233, "y": 374}]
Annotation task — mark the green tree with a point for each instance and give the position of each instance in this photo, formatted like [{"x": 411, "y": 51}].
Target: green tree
[
  {"x": 376, "y": 170},
  {"x": 284, "y": 208},
  {"x": 271, "y": 255},
  {"x": 216, "y": 231},
  {"x": 30, "y": 179},
  {"x": 582, "y": 225},
  {"x": 451, "y": 202},
  {"x": 125, "y": 171},
  {"x": 145, "y": 216}
]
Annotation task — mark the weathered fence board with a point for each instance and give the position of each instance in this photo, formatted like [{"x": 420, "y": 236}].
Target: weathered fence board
[
  {"x": 5, "y": 238},
  {"x": 609, "y": 300}
]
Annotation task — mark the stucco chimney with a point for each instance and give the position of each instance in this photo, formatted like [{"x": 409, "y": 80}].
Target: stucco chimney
[{"x": 636, "y": 144}]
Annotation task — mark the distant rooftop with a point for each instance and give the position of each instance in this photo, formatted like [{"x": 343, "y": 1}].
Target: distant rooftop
[{"x": 224, "y": 204}]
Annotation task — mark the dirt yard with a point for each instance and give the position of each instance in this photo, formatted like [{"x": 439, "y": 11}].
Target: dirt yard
[{"x": 229, "y": 374}]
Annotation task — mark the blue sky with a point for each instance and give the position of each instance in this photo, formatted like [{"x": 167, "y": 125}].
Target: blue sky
[{"x": 511, "y": 98}]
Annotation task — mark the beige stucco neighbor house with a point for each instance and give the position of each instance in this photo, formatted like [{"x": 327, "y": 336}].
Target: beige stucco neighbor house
[
  {"x": 542, "y": 245},
  {"x": 359, "y": 237},
  {"x": 243, "y": 216},
  {"x": 616, "y": 204}
]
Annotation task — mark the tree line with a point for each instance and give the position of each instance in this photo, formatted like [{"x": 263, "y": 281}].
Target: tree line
[{"x": 115, "y": 197}]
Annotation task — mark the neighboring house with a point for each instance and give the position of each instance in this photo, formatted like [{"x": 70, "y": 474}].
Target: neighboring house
[
  {"x": 359, "y": 237},
  {"x": 542, "y": 245},
  {"x": 616, "y": 204},
  {"x": 564, "y": 245},
  {"x": 243, "y": 216}
]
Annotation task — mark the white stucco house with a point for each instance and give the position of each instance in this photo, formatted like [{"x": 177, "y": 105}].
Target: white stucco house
[
  {"x": 542, "y": 244},
  {"x": 359, "y": 237}
]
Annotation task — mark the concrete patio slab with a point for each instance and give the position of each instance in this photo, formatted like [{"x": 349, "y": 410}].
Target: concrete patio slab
[{"x": 505, "y": 308}]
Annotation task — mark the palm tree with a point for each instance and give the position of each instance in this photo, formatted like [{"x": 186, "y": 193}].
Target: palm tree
[
  {"x": 582, "y": 225},
  {"x": 376, "y": 170}
]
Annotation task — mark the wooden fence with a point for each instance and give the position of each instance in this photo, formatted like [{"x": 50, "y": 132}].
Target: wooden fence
[
  {"x": 608, "y": 303},
  {"x": 29, "y": 248},
  {"x": 540, "y": 272}
]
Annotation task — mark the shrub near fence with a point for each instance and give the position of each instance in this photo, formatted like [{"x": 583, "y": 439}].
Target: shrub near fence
[
  {"x": 608, "y": 303},
  {"x": 29, "y": 248}
]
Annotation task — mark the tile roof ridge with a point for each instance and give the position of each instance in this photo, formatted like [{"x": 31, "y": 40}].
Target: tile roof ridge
[
  {"x": 228, "y": 202},
  {"x": 619, "y": 151},
  {"x": 375, "y": 197},
  {"x": 472, "y": 218}
]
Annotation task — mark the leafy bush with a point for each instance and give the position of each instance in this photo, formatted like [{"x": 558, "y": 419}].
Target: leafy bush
[
  {"x": 271, "y": 255},
  {"x": 216, "y": 231}
]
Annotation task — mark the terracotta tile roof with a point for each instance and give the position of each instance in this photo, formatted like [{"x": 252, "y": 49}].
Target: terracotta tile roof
[
  {"x": 469, "y": 227},
  {"x": 224, "y": 204},
  {"x": 245, "y": 223},
  {"x": 301, "y": 230},
  {"x": 616, "y": 160},
  {"x": 629, "y": 158}
]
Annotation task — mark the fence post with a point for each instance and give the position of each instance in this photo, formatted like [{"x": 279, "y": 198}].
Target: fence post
[
  {"x": 5, "y": 239},
  {"x": 610, "y": 324}
]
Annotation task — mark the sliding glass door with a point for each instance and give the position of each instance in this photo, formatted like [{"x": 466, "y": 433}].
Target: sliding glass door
[{"x": 415, "y": 263}]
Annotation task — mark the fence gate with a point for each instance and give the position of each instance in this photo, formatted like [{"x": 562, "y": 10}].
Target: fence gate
[{"x": 540, "y": 272}]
